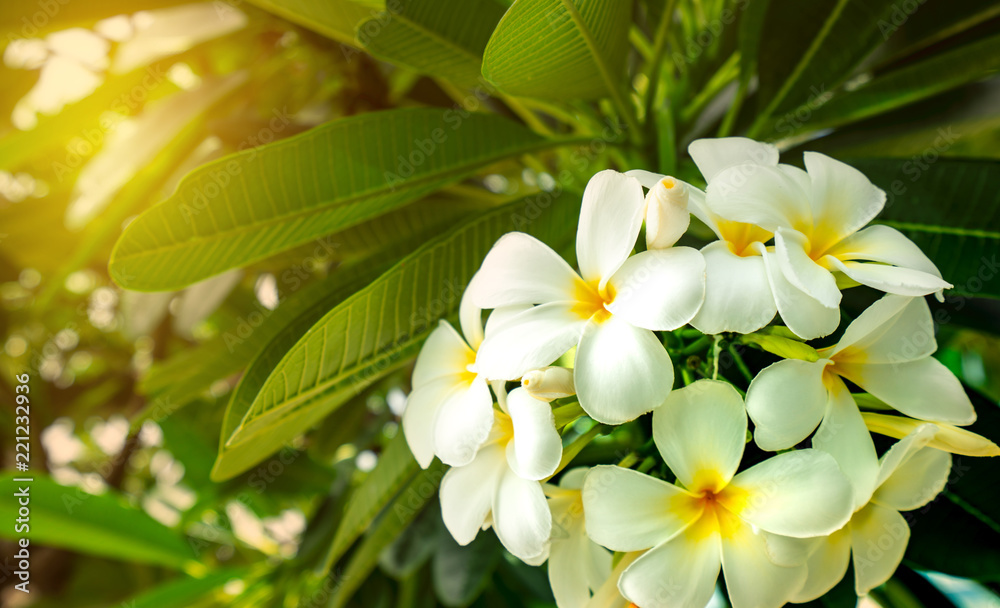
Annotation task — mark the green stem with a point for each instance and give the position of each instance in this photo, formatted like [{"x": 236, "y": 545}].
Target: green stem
[
  {"x": 739, "y": 362},
  {"x": 697, "y": 346},
  {"x": 726, "y": 73}
]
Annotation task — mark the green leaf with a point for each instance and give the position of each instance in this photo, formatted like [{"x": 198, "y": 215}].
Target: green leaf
[
  {"x": 951, "y": 210},
  {"x": 251, "y": 205},
  {"x": 395, "y": 467},
  {"x": 336, "y": 19},
  {"x": 389, "y": 526},
  {"x": 184, "y": 591},
  {"x": 939, "y": 73},
  {"x": 317, "y": 301},
  {"x": 560, "y": 49},
  {"x": 810, "y": 48},
  {"x": 959, "y": 532},
  {"x": 69, "y": 518},
  {"x": 376, "y": 243},
  {"x": 460, "y": 573},
  {"x": 439, "y": 37},
  {"x": 379, "y": 328}
]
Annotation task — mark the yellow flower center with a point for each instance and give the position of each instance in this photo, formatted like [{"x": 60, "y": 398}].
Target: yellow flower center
[
  {"x": 739, "y": 237},
  {"x": 591, "y": 301}
]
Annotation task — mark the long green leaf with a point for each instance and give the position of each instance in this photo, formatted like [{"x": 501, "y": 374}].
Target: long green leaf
[
  {"x": 395, "y": 467},
  {"x": 376, "y": 243},
  {"x": 184, "y": 591},
  {"x": 439, "y": 37},
  {"x": 390, "y": 525},
  {"x": 810, "y": 48},
  {"x": 68, "y": 517},
  {"x": 938, "y": 73},
  {"x": 951, "y": 209},
  {"x": 336, "y": 19},
  {"x": 560, "y": 49},
  {"x": 251, "y": 205},
  {"x": 381, "y": 326}
]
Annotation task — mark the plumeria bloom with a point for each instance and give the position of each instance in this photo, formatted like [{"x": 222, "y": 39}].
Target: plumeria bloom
[
  {"x": 714, "y": 518},
  {"x": 738, "y": 296},
  {"x": 577, "y": 565},
  {"x": 816, "y": 217},
  {"x": 608, "y": 311},
  {"x": 909, "y": 476},
  {"x": 887, "y": 352},
  {"x": 608, "y": 595},
  {"x": 500, "y": 486},
  {"x": 449, "y": 413}
]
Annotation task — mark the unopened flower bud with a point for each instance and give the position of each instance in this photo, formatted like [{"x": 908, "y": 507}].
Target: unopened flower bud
[
  {"x": 667, "y": 216},
  {"x": 549, "y": 383}
]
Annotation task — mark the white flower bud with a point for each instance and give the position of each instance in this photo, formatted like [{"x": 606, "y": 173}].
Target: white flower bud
[
  {"x": 549, "y": 383},
  {"x": 667, "y": 214}
]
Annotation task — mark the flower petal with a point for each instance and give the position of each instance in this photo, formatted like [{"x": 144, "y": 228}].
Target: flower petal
[
  {"x": 521, "y": 516},
  {"x": 790, "y": 248},
  {"x": 712, "y": 156},
  {"x": 531, "y": 339},
  {"x": 420, "y": 416},
  {"x": 826, "y": 566},
  {"x": 948, "y": 437},
  {"x": 752, "y": 579},
  {"x": 803, "y": 314},
  {"x": 892, "y": 330},
  {"x": 680, "y": 573},
  {"x": 883, "y": 244},
  {"x": 843, "y": 199},
  {"x": 467, "y": 493},
  {"x": 470, "y": 317},
  {"x": 786, "y": 402},
  {"x": 520, "y": 269},
  {"x": 915, "y": 482},
  {"x": 610, "y": 219},
  {"x": 444, "y": 353},
  {"x": 700, "y": 431},
  {"x": 577, "y": 566},
  {"x": 621, "y": 371},
  {"x": 659, "y": 290},
  {"x": 667, "y": 216},
  {"x": 890, "y": 279},
  {"x": 765, "y": 196},
  {"x": 626, "y": 510},
  {"x": 536, "y": 449},
  {"x": 463, "y": 423},
  {"x": 922, "y": 389},
  {"x": 798, "y": 494},
  {"x": 844, "y": 436},
  {"x": 879, "y": 536},
  {"x": 738, "y": 297}
]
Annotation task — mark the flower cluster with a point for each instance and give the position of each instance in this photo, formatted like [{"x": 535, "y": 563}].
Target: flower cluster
[{"x": 781, "y": 530}]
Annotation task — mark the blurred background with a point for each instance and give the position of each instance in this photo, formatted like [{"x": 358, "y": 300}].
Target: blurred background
[{"x": 105, "y": 105}]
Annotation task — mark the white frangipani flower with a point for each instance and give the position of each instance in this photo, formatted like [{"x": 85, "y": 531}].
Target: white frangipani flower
[
  {"x": 500, "y": 486},
  {"x": 577, "y": 565},
  {"x": 449, "y": 413},
  {"x": 887, "y": 352},
  {"x": 816, "y": 217},
  {"x": 609, "y": 310},
  {"x": 738, "y": 295},
  {"x": 909, "y": 476},
  {"x": 667, "y": 216},
  {"x": 715, "y": 519},
  {"x": 549, "y": 383},
  {"x": 608, "y": 595}
]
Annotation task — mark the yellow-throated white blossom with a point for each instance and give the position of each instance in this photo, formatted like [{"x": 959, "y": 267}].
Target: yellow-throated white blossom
[
  {"x": 887, "y": 352},
  {"x": 608, "y": 311},
  {"x": 818, "y": 218},
  {"x": 501, "y": 485},
  {"x": 909, "y": 476},
  {"x": 714, "y": 518}
]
